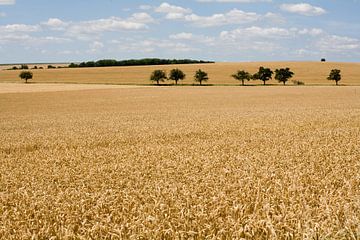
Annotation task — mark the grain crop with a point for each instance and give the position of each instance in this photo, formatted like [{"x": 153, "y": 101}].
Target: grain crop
[
  {"x": 181, "y": 163},
  {"x": 312, "y": 73}
]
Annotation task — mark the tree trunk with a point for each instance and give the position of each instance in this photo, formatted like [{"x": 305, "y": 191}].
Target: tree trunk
[
  {"x": 157, "y": 82},
  {"x": 336, "y": 83},
  {"x": 284, "y": 83},
  {"x": 243, "y": 82},
  {"x": 176, "y": 82},
  {"x": 26, "y": 80},
  {"x": 264, "y": 83}
]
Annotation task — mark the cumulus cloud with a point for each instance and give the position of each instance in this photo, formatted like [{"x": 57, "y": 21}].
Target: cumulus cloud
[
  {"x": 172, "y": 11},
  {"x": 303, "y": 9},
  {"x": 55, "y": 24},
  {"x": 234, "y": 16},
  {"x": 142, "y": 17}
]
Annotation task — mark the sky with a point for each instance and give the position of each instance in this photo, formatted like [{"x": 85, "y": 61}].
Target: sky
[{"x": 35, "y": 31}]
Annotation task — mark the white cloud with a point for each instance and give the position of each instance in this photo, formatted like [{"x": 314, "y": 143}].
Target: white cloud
[
  {"x": 111, "y": 24},
  {"x": 55, "y": 24},
  {"x": 312, "y": 32},
  {"x": 172, "y": 11},
  {"x": 11, "y": 28},
  {"x": 182, "y": 36},
  {"x": 95, "y": 47},
  {"x": 256, "y": 32},
  {"x": 7, "y": 2},
  {"x": 234, "y": 16},
  {"x": 142, "y": 17},
  {"x": 303, "y": 9},
  {"x": 193, "y": 38},
  {"x": 334, "y": 43}
]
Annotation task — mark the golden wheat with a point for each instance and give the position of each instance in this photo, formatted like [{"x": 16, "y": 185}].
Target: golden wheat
[
  {"x": 312, "y": 73},
  {"x": 181, "y": 163}
]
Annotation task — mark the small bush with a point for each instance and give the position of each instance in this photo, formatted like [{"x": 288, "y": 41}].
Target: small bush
[{"x": 296, "y": 82}]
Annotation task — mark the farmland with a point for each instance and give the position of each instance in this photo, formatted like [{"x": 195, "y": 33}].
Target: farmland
[
  {"x": 312, "y": 73},
  {"x": 179, "y": 163}
]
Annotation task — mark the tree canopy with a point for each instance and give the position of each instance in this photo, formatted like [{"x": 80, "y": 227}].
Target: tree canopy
[
  {"x": 158, "y": 76},
  {"x": 264, "y": 74},
  {"x": 283, "y": 75},
  {"x": 176, "y": 75},
  {"x": 335, "y": 75},
  {"x": 242, "y": 76},
  {"x": 201, "y": 76},
  {"x": 26, "y": 75}
]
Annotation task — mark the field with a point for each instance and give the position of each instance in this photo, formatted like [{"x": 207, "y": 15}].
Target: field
[
  {"x": 312, "y": 73},
  {"x": 179, "y": 163}
]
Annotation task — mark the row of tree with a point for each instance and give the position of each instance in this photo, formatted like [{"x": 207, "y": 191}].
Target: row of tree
[
  {"x": 177, "y": 75},
  {"x": 282, "y": 75},
  {"x": 135, "y": 62},
  {"x": 264, "y": 74}
]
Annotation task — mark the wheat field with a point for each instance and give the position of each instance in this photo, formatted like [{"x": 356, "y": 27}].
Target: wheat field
[
  {"x": 181, "y": 163},
  {"x": 312, "y": 73}
]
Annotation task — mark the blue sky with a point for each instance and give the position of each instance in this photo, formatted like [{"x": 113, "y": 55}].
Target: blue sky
[{"x": 220, "y": 30}]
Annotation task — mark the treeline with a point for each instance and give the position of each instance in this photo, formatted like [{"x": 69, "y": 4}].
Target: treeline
[
  {"x": 282, "y": 75},
  {"x": 135, "y": 62}
]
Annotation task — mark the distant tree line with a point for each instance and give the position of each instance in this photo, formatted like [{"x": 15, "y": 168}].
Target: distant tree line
[{"x": 135, "y": 62}]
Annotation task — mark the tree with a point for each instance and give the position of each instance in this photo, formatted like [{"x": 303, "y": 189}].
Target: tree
[
  {"x": 176, "y": 75},
  {"x": 264, "y": 74},
  {"x": 283, "y": 75},
  {"x": 26, "y": 75},
  {"x": 242, "y": 76},
  {"x": 335, "y": 75},
  {"x": 201, "y": 76},
  {"x": 158, "y": 76}
]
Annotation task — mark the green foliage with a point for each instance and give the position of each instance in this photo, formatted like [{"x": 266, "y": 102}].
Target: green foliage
[
  {"x": 283, "y": 75},
  {"x": 135, "y": 62},
  {"x": 158, "y": 76},
  {"x": 335, "y": 75},
  {"x": 201, "y": 76},
  {"x": 26, "y": 75},
  {"x": 51, "y": 67},
  {"x": 24, "y": 66},
  {"x": 242, "y": 76},
  {"x": 264, "y": 74},
  {"x": 176, "y": 75}
]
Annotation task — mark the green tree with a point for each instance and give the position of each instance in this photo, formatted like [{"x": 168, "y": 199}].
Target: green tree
[
  {"x": 283, "y": 75},
  {"x": 26, "y": 75},
  {"x": 264, "y": 74},
  {"x": 158, "y": 76},
  {"x": 242, "y": 76},
  {"x": 335, "y": 75},
  {"x": 201, "y": 76},
  {"x": 176, "y": 75}
]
